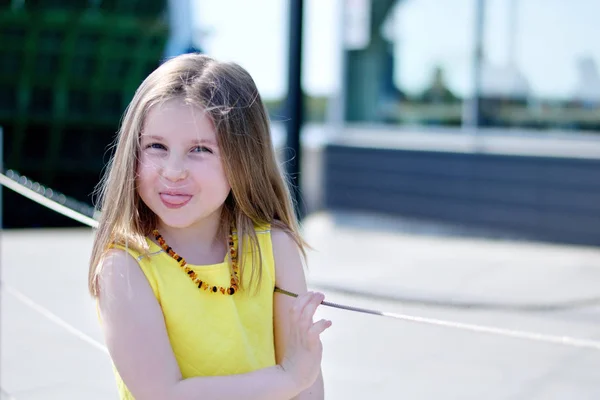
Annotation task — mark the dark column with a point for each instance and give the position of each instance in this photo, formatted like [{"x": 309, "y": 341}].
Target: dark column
[{"x": 294, "y": 104}]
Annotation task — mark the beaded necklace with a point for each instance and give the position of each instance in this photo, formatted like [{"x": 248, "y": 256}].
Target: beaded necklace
[{"x": 190, "y": 272}]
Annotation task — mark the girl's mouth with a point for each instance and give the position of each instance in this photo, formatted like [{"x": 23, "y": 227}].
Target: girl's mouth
[{"x": 172, "y": 200}]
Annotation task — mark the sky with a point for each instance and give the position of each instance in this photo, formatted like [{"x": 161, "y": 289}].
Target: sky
[{"x": 552, "y": 35}]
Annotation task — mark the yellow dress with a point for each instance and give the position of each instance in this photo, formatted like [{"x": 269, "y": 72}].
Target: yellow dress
[{"x": 213, "y": 334}]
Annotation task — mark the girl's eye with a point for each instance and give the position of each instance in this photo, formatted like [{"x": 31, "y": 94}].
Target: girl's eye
[
  {"x": 202, "y": 149},
  {"x": 156, "y": 146}
]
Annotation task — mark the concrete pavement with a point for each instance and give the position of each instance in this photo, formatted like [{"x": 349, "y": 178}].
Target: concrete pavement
[
  {"x": 444, "y": 272},
  {"x": 396, "y": 259},
  {"x": 52, "y": 345}
]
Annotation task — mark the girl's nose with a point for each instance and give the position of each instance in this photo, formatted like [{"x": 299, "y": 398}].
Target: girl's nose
[{"x": 174, "y": 170}]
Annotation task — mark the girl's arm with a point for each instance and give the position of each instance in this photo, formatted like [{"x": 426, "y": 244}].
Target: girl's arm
[
  {"x": 289, "y": 276},
  {"x": 137, "y": 341}
]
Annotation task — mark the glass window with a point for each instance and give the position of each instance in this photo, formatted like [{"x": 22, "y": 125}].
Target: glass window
[{"x": 539, "y": 66}]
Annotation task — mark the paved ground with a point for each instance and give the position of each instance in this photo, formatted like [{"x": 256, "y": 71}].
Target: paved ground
[
  {"x": 523, "y": 286},
  {"x": 51, "y": 346}
]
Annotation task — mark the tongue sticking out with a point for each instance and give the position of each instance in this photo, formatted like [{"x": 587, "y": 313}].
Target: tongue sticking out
[{"x": 175, "y": 199}]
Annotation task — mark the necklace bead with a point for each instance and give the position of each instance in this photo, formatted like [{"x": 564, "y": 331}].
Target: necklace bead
[{"x": 192, "y": 274}]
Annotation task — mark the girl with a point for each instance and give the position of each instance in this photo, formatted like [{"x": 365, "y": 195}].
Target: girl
[{"x": 197, "y": 229}]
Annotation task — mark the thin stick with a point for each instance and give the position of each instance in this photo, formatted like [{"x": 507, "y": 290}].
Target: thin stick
[{"x": 538, "y": 337}]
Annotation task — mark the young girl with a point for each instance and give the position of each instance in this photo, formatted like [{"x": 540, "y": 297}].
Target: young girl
[{"x": 197, "y": 228}]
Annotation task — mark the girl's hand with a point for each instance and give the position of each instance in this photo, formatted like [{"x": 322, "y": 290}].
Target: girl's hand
[{"x": 303, "y": 352}]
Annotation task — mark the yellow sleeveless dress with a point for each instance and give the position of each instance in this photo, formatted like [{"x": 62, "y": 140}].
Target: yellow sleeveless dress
[{"x": 213, "y": 334}]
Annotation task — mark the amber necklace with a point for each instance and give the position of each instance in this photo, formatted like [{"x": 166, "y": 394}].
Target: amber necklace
[{"x": 190, "y": 272}]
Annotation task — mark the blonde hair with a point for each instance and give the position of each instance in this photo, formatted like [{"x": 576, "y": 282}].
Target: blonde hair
[{"x": 259, "y": 193}]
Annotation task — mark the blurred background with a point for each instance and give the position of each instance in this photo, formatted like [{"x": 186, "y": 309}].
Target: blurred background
[
  {"x": 478, "y": 113},
  {"x": 447, "y": 156}
]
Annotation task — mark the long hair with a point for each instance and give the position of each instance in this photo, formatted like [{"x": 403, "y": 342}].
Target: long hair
[{"x": 259, "y": 192}]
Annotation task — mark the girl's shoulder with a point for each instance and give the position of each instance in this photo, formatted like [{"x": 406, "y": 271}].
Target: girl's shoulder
[
  {"x": 277, "y": 234},
  {"x": 287, "y": 254},
  {"x": 119, "y": 267},
  {"x": 283, "y": 241},
  {"x": 125, "y": 258}
]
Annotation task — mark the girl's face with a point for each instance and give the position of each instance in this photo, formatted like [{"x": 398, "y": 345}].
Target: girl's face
[{"x": 180, "y": 175}]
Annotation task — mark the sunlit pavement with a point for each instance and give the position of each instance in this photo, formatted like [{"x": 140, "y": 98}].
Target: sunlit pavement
[{"x": 52, "y": 345}]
